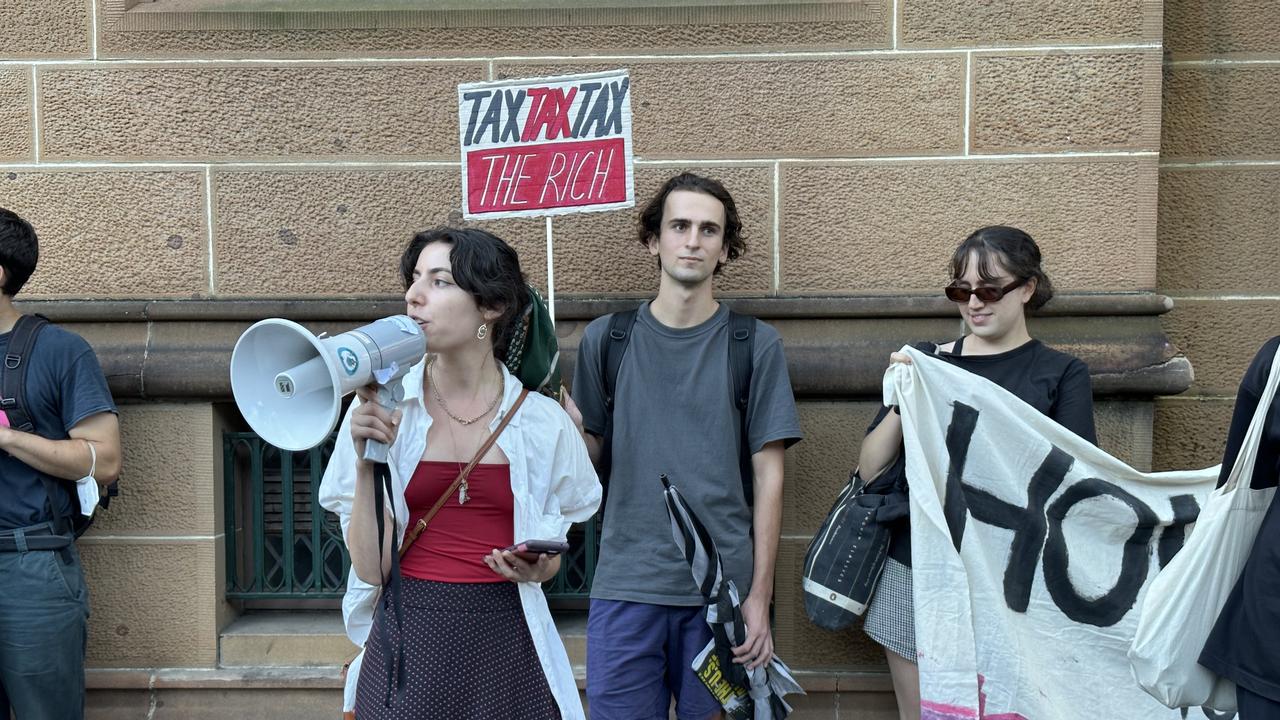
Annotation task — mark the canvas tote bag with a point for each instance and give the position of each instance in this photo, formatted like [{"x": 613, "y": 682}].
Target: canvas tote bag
[{"x": 1184, "y": 601}]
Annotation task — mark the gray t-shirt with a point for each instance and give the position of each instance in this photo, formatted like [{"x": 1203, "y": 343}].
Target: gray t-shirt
[{"x": 674, "y": 414}]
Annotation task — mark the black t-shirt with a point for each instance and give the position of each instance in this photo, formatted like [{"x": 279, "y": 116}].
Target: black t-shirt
[
  {"x": 1053, "y": 382},
  {"x": 64, "y": 385},
  {"x": 1243, "y": 644}
]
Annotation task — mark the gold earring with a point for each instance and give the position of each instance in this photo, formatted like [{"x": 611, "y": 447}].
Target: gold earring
[{"x": 482, "y": 332}]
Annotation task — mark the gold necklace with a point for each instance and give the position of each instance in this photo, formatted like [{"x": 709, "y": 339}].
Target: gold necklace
[
  {"x": 463, "y": 488},
  {"x": 435, "y": 392}
]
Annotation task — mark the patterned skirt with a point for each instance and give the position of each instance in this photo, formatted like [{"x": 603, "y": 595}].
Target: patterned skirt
[
  {"x": 467, "y": 655},
  {"x": 891, "y": 619}
]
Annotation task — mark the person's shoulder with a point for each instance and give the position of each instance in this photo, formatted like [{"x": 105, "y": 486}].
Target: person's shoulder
[
  {"x": 598, "y": 327},
  {"x": 766, "y": 334},
  {"x": 543, "y": 411},
  {"x": 1268, "y": 349},
  {"x": 1260, "y": 368},
  {"x": 1064, "y": 362},
  {"x": 55, "y": 340}
]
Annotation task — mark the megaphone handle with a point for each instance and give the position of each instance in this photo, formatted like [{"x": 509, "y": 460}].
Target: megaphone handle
[{"x": 375, "y": 451}]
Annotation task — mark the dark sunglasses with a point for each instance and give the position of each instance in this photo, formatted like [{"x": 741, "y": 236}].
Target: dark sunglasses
[{"x": 985, "y": 293}]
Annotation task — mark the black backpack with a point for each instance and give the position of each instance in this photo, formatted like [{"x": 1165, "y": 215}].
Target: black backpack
[
  {"x": 13, "y": 401},
  {"x": 742, "y": 334}
]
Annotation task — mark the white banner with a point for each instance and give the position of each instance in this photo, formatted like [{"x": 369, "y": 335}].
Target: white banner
[{"x": 1031, "y": 552}]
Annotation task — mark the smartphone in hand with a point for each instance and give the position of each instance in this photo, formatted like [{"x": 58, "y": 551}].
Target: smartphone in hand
[{"x": 529, "y": 550}]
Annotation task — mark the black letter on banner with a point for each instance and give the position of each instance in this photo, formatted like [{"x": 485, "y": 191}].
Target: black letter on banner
[
  {"x": 959, "y": 434},
  {"x": 585, "y": 91},
  {"x": 512, "y": 128},
  {"x": 1112, "y": 606},
  {"x": 1028, "y": 524},
  {"x": 1185, "y": 512},
  {"x": 474, "y": 97},
  {"x": 617, "y": 92}
]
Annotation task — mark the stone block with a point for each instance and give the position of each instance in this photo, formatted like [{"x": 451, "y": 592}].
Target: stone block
[
  {"x": 1237, "y": 29},
  {"x": 1217, "y": 230},
  {"x": 53, "y": 29},
  {"x": 146, "y": 230},
  {"x": 407, "y": 38},
  {"x": 601, "y": 252},
  {"x": 818, "y": 467},
  {"x": 16, "y": 140},
  {"x": 1066, "y": 101},
  {"x": 1221, "y": 112},
  {"x": 1191, "y": 433},
  {"x": 325, "y": 233},
  {"x": 153, "y": 603},
  {"x": 897, "y": 224},
  {"x": 788, "y": 108},
  {"x": 124, "y": 704},
  {"x": 941, "y": 23},
  {"x": 1220, "y": 337},
  {"x": 179, "y": 703},
  {"x": 1124, "y": 430},
  {"x": 252, "y": 112},
  {"x": 168, "y": 482}
]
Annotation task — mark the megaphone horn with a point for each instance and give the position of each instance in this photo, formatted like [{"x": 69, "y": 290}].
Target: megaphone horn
[{"x": 289, "y": 383}]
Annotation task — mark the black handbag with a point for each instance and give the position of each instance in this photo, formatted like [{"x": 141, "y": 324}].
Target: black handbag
[{"x": 847, "y": 554}]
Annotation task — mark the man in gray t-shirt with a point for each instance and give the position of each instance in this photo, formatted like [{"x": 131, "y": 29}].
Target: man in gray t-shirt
[{"x": 674, "y": 414}]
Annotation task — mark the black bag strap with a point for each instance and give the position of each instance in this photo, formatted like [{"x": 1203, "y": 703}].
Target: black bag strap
[
  {"x": 13, "y": 379},
  {"x": 741, "y": 341},
  {"x": 611, "y": 352}
]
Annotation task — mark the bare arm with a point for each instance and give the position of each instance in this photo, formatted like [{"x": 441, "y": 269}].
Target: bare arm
[
  {"x": 881, "y": 446},
  {"x": 70, "y": 459},
  {"x": 369, "y": 420},
  {"x": 594, "y": 442},
  {"x": 767, "y": 465}
]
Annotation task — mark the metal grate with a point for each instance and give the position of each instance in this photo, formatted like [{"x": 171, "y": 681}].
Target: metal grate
[{"x": 281, "y": 545}]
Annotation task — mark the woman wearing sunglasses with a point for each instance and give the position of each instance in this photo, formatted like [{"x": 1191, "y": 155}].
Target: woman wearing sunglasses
[{"x": 996, "y": 280}]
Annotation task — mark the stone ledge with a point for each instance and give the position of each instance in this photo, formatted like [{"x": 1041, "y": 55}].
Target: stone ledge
[
  {"x": 569, "y": 307},
  {"x": 836, "y": 346},
  {"x": 326, "y": 677},
  {"x": 258, "y": 678}
]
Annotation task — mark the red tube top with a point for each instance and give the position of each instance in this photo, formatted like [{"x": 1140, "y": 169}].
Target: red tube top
[{"x": 459, "y": 536}]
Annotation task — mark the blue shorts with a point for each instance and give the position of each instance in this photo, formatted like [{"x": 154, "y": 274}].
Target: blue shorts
[{"x": 638, "y": 657}]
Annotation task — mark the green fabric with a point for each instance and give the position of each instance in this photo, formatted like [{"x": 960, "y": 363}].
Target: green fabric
[{"x": 534, "y": 352}]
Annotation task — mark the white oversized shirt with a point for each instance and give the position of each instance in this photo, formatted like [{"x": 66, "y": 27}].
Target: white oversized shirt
[{"x": 552, "y": 481}]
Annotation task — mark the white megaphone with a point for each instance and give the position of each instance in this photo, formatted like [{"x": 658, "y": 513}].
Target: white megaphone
[{"x": 289, "y": 383}]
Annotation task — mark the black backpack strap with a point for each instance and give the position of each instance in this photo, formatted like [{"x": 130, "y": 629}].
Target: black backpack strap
[
  {"x": 741, "y": 340},
  {"x": 13, "y": 400},
  {"x": 611, "y": 352}
]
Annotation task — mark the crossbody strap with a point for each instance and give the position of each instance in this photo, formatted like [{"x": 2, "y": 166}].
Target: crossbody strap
[
  {"x": 421, "y": 525},
  {"x": 1242, "y": 470}
]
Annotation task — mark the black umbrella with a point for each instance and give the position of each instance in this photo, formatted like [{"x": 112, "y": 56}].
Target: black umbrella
[{"x": 756, "y": 694}]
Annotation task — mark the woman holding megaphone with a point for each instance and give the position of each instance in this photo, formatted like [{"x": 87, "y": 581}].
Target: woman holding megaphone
[{"x": 453, "y": 622}]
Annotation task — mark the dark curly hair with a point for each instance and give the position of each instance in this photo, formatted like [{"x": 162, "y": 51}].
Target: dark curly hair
[
  {"x": 1010, "y": 248},
  {"x": 484, "y": 265},
  {"x": 19, "y": 251},
  {"x": 651, "y": 216}
]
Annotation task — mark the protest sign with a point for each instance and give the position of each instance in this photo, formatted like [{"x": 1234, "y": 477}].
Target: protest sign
[
  {"x": 1031, "y": 551},
  {"x": 546, "y": 146}
]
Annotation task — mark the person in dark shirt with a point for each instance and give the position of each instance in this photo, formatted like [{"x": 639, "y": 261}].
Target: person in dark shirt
[
  {"x": 996, "y": 280},
  {"x": 75, "y": 436},
  {"x": 1241, "y": 646}
]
